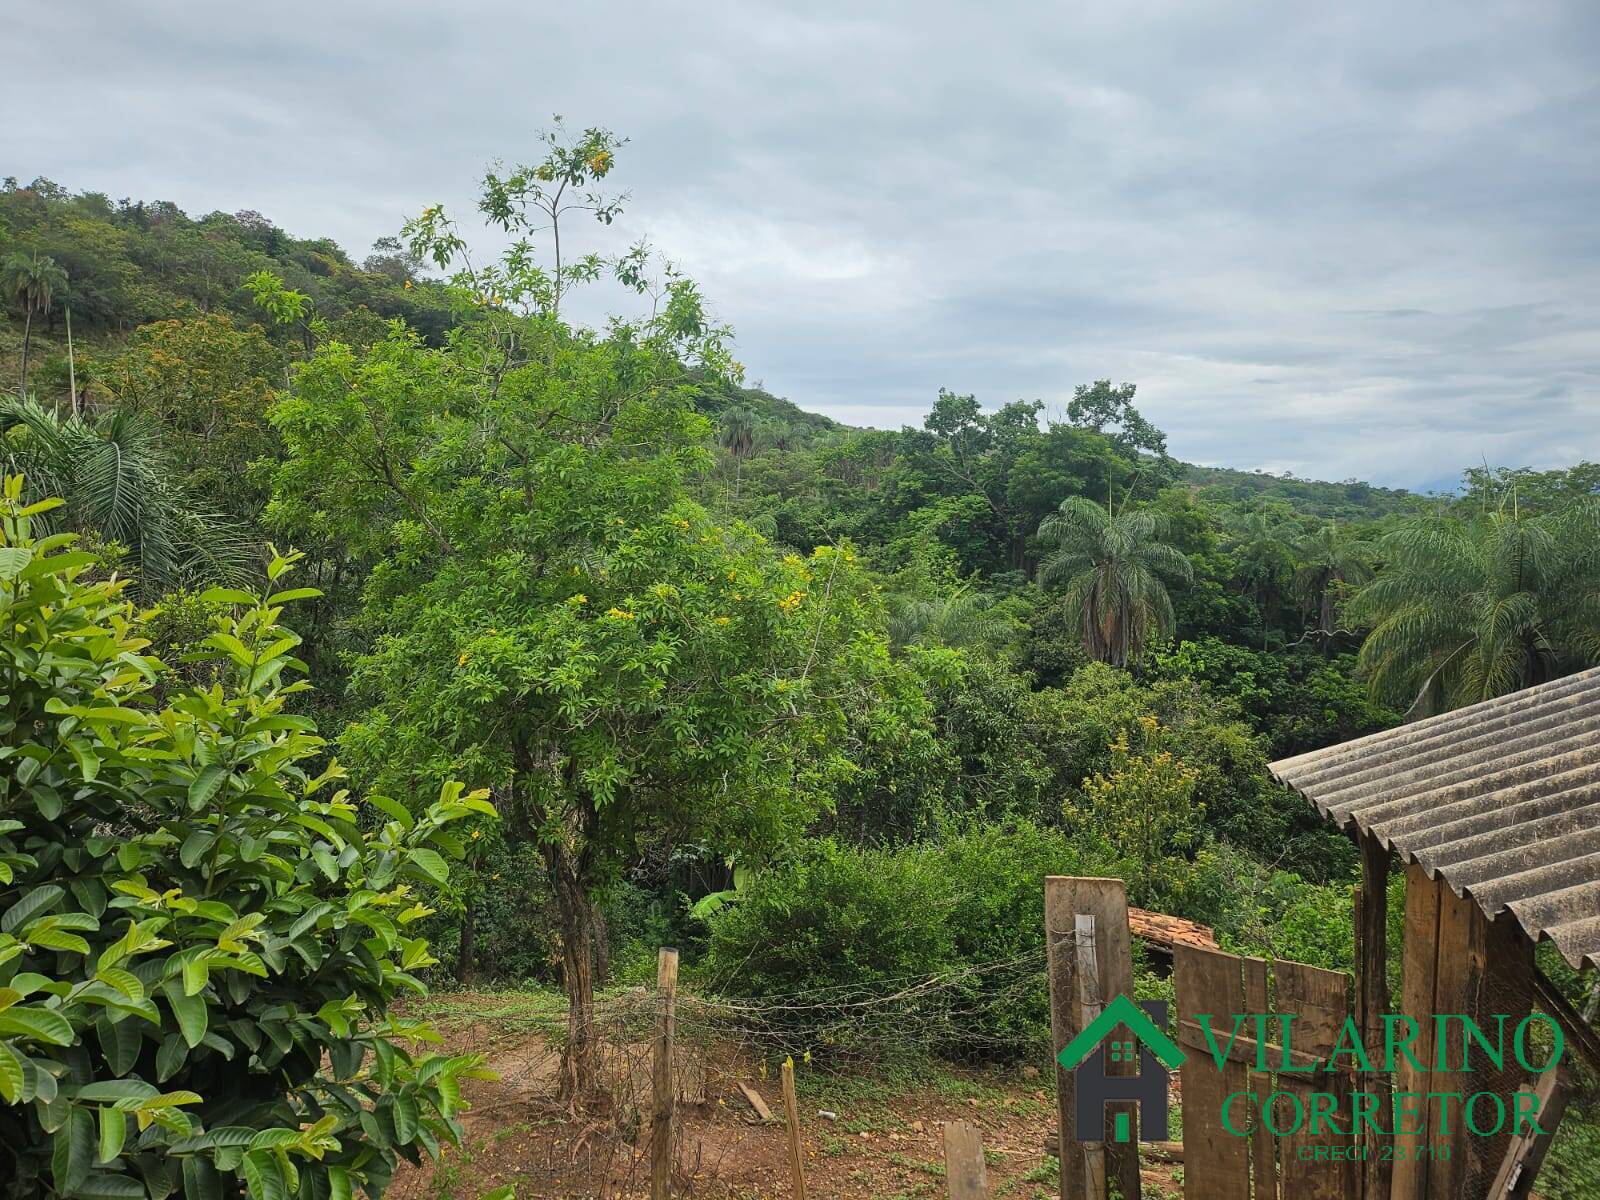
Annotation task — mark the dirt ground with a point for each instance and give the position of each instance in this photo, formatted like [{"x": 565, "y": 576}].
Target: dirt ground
[{"x": 864, "y": 1136}]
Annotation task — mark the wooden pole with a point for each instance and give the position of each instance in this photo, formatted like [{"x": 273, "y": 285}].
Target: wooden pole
[
  {"x": 1106, "y": 900},
  {"x": 791, "y": 1111},
  {"x": 663, "y": 1092},
  {"x": 1090, "y": 1004},
  {"x": 966, "y": 1175},
  {"x": 72, "y": 365},
  {"x": 1372, "y": 999}
]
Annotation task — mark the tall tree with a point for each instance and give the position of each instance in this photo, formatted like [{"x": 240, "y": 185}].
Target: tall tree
[
  {"x": 1115, "y": 567},
  {"x": 1329, "y": 563},
  {"x": 1464, "y": 609},
  {"x": 554, "y": 617},
  {"x": 31, "y": 280},
  {"x": 1109, "y": 410},
  {"x": 736, "y": 433},
  {"x": 1262, "y": 555}
]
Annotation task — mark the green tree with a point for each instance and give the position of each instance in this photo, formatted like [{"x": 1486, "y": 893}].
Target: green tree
[
  {"x": 1114, "y": 566},
  {"x": 206, "y": 384},
  {"x": 1329, "y": 563},
  {"x": 1262, "y": 560},
  {"x": 31, "y": 280},
  {"x": 1109, "y": 410},
  {"x": 201, "y": 936},
  {"x": 1464, "y": 609},
  {"x": 553, "y": 617},
  {"x": 1141, "y": 804},
  {"x": 736, "y": 433},
  {"x": 118, "y": 481}
]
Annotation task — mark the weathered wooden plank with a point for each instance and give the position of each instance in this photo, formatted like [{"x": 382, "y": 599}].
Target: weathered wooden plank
[
  {"x": 966, "y": 1175},
  {"x": 1216, "y": 1165},
  {"x": 1090, "y": 1005},
  {"x": 1372, "y": 1002},
  {"x": 1106, "y": 901},
  {"x": 756, "y": 1101},
  {"x": 1263, "y": 1146},
  {"x": 1525, "y": 1152},
  {"x": 1417, "y": 981},
  {"x": 1459, "y": 973},
  {"x": 1317, "y": 1001}
]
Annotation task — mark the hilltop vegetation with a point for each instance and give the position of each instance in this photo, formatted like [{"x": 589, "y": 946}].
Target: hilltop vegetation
[{"x": 818, "y": 704}]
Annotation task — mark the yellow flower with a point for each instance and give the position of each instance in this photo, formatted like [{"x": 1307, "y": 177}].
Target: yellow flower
[
  {"x": 622, "y": 613},
  {"x": 580, "y": 598},
  {"x": 462, "y": 661},
  {"x": 722, "y": 620},
  {"x": 476, "y": 834}
]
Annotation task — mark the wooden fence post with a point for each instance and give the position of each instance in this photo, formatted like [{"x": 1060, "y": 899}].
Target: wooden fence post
[
  {"x": 661, "y": 1079},
  {"x": 966, "y": 1175},
  {"x": 1090, "y": 1005},
  {"x": 791, "y": 1109},
  {"x": 1105, "y": 901}
]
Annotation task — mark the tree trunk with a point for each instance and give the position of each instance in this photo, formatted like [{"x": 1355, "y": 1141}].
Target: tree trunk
[
  {"x": 602, "y": 950},
  {"x": 575, "y": 911},
  {"x": 469, "y": 942},
  {"x": 27, "y": 338}
]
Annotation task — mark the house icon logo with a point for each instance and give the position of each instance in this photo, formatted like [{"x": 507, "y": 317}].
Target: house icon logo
[{"x": 1158, "y": 1055}]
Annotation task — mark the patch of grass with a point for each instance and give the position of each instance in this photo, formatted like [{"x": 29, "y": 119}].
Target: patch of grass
[
  {"x": 930, "y": 1167},
  {"x": 520, "y": 1011},
  {"x": 1049, "y": 1171}
]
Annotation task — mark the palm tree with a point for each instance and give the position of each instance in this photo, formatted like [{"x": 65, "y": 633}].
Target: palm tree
[
  {"x": 33, "y": 281},
  {"x": 116, "y": 481},
  {"x": 1115, "y": 566},
  {"x": 737, "y": 435},
  {"x": 1263, "y": 560},
  {"x": 1331, "y": 561},
  {"x": 1466, "y": 609},
  {"x": 966, "y": 619}
]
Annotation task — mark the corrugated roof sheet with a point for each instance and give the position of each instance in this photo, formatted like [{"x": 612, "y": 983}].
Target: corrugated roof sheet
[{"x": 1502, "y": 799}]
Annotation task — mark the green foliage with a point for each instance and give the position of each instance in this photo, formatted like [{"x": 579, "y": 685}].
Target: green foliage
[
  {"x": 133, "y": 262},
  {"x": 1299, "y": 701},
  {"x": 116, "y": 480},
  {"x": 200, "y": 939},
  {"x": 1464, "y": 609},
  {"x": 206, "y": 385},
  {"x": 934, "y": 948},
  {"x": 1099, "y": 406},
  {"x": 1141, "y": 805},
  {"x": 1114, "y": 567}
]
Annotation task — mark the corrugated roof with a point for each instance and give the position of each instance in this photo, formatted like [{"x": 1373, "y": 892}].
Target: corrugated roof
[{"x": 1502, "y": 799}]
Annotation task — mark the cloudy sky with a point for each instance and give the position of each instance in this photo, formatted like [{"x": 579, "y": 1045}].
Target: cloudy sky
[{"x": 1353, "y": 239}]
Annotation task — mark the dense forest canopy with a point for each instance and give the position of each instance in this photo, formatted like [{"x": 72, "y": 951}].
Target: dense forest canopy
[{"x": 738, "y": 676}]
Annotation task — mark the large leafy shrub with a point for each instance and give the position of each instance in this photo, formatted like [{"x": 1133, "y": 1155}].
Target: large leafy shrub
[
  {"x": 928, "y": 948},
  {"x": 200, "y": 938}
]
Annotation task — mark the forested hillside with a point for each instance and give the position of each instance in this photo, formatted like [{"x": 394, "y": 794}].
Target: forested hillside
[{"x": 818, "y": 704}]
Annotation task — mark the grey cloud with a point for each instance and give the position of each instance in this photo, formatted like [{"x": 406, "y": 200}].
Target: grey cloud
[{"x": 1346, "y": 240}]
